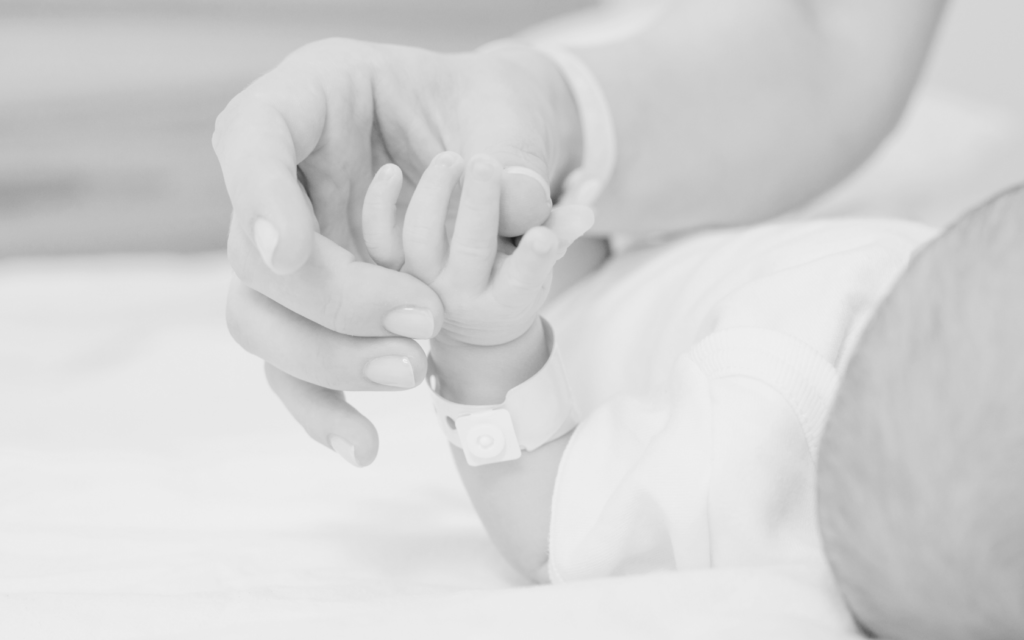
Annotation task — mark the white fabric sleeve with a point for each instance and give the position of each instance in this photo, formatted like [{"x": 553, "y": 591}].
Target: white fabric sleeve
[
  {"x": 718, "y": 470},
  {"x": 705, "y": 370}
]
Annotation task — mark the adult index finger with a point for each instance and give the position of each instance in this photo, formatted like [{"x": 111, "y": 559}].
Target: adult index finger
[{"x": 259, "y": 139}]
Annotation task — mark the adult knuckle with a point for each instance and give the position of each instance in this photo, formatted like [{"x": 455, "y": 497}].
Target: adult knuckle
[
  {"x": 232, "y": 117},
  {"x": 219, "y": 126},
  {"x": 336, "y": 312},
  {"x": 242, "y": 258},
  {"x": 330, "y": 46},
  {"x": 226, "y": 118},
  {"x": 235, "y": 320},
  {"x": 331, "y": 361}
]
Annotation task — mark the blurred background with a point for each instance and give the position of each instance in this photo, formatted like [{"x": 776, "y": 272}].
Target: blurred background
[
  {"x": 107, "y": 106},
  {"x": 149, "y": 481}
]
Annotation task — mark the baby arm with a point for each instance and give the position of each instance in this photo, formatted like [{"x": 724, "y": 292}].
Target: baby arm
[
  {"x": 492, "y": 339},
  {"x": 513, "y": 498}
]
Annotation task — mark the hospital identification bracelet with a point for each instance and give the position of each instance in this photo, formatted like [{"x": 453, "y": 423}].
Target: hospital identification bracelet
[{"x": 534, "y": 413}]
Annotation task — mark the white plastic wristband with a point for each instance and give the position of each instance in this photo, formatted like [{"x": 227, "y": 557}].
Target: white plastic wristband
[
  {"x": 585, "y": 184},
  {"x": 534, "y": 413}
]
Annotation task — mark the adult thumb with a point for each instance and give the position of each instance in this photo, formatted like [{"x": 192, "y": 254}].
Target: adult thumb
[
  {"x": 525, "y": 197},
  {"x": 525, "y": 186},
  {"x": 256, "y": 150}
]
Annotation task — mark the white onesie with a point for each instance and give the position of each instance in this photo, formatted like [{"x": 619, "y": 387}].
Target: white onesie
[{"x": 705, "y": 369}]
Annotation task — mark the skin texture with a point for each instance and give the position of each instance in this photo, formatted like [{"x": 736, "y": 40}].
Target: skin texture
[
  {"x": 702, "y": 103},
  {"x": 492, "y": 339},
  {"x": 298, "y": 149},
  {"x": 922, "y": 462},
  {"x": 731, "y": 111}
]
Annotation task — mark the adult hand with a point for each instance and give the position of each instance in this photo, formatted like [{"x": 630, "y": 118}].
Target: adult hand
[{"x": 298, "y": 149}]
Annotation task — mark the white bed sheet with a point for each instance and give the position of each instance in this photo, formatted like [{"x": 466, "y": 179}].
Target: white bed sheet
[{"x": 151, "y": 486}]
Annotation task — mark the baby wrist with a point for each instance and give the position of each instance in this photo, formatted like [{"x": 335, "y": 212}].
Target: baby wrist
[
  {"x": 478, "y": 375},
  {"x": 495, "y": 423}
]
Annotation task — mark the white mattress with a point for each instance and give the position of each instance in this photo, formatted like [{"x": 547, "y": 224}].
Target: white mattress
[{"x": 151, "y": 486}]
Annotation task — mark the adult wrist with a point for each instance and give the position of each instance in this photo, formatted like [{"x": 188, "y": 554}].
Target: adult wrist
[{"x": 479, "y": 375}]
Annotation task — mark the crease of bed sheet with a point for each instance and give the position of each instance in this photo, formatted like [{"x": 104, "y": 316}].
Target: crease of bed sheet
[{"x": 150, "y": 485}]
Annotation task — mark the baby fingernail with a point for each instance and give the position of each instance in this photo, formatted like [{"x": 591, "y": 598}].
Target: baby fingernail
[
  {"x": 344, "y": 449},
  {"x": 390, "y": 172},
  {"x": 484, "y": 167},
  {"x": 447, "y": 159},
  {"x": 391, "y": 371},
  {"x": 266, "y": 238},
  {"x": 410, "y": 322}
]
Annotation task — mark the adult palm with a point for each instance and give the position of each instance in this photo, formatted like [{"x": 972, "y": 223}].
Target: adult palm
[
  {"x": 339, "y": 109},
  {"x": 298, "y": 149}
]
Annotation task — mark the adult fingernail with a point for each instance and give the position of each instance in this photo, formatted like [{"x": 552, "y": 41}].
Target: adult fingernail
[
  {"x": 410, "y": 322},
  {"x": 344, "y": 449},
  {"x": 392, "y": 371},
  {"x": 533, "y": 175},
  {"x": 266, "y": 238}
]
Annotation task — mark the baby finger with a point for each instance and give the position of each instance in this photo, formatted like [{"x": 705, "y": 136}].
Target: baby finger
[
  {"x": 524, "y": 273},
  {"x": 380, "y": 232},
  {"x": 475, "y": 237},
  {"x": 424, "y": 235}
]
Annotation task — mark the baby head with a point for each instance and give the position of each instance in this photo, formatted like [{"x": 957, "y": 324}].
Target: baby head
[{"x": 921, "y": 477}]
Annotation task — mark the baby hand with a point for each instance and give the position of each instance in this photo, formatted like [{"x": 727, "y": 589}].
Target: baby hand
[{"x": 491, "y": 294}]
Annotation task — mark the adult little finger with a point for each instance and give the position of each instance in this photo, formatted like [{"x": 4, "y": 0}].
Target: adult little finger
[{"x": 326, "y": 417}]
